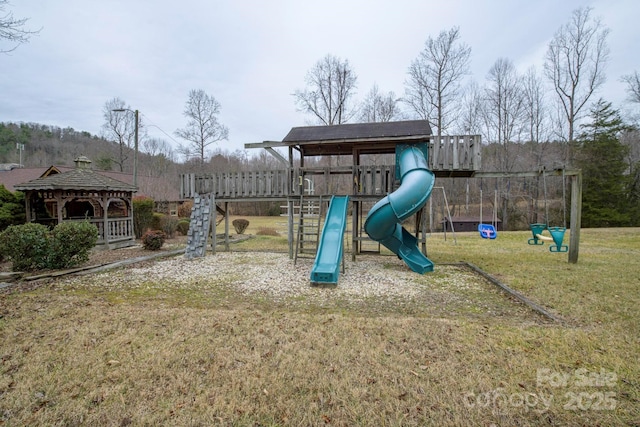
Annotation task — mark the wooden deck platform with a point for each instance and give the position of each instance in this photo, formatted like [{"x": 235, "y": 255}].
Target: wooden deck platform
[{"x": 452, "y": 156}]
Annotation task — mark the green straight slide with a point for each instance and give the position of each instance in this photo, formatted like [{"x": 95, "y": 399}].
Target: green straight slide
[
  {"x": 326, "y": 267},
  {"x": 383, "y": 223}
]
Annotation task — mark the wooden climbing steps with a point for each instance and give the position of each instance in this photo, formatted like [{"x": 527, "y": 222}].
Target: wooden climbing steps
[{"x": 309, "y": 214}]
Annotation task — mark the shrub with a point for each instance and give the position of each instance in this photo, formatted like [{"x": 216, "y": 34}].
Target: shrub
[
  {"x": 169, "y": 224},
  {"x": 274, "y": 210},
  {"x": 267, "y": 231},
  {"x": 12, "y": 211},
  {"x": 240, "y": 225},
  {"x": 183, "y": 226},
  {"x": 153, "y": 240},
  {"x": 27, "y": 246},
  {"x": 184, "y": 210},
  {"x": 156, "y": 221},
  {"x": 142, "y": 214},
  {"x": 71, "y": 243}
]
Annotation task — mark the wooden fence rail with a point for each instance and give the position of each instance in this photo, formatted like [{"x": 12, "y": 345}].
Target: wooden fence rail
[{"x": 455, "y": 155}]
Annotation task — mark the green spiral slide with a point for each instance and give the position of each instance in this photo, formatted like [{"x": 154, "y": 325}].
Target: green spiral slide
[{"x": 383, "y": 223}]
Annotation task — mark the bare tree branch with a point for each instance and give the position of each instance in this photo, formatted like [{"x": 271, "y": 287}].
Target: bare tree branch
[
  {"x": 12, "y": 29},
  {"x": 575, "y": 62},
  {"x": 378, "y": 107},
  {"x": 434, "y": 79},
  {"x": 203, "y": 128},
  {"x": 330, "y": 85},
  {"x": 119, "y": 127},
  {"x": 504, "y": 106},
  {"x": 633, "y": 86}
]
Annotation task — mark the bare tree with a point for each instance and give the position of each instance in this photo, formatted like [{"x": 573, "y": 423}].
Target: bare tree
[
  {"x": 119, "y": 127},
  {"x": 575, "y": 63},
  {"x": 331, "y": 84},
  {"x": 378, "y": 107},
  {"x": 12, "y": 29},
  {"x": 203, "y": 128},
  {"x": 504, "y": 105},
  {"x": 434, "y": 79},
  {"x": 633, "y": 86},
  {"x": 535, "y": 108},
  {"x": 470, "y": 117}
]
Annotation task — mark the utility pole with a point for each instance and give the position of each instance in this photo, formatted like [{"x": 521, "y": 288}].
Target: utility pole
[{"x": 20, "y": 148}]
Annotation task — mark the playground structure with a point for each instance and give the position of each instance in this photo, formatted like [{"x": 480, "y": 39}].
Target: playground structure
[{"x": 378, "y": 197}]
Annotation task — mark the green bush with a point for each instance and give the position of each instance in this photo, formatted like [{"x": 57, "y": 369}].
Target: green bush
[
  {"x": 183, "y": 226},
  {"x": 12, "y": 210},
  {"x": 156, "y": 221},
  {"x": 169, "y": 224},
  {"x": 153, "y": 240},
  {"x": 142, "y": 215},
  {"x": 240, "y": 225},
  {"x": 71, "y": 243},
  {"x": 27, "y": 246},
  {"x": 33, "y": 246}
]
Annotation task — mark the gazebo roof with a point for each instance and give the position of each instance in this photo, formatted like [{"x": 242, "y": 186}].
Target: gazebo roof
[{"x": 80, "y": 178}]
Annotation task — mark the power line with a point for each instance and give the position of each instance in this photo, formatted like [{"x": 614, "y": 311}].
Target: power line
[{"x": 159, "y": 128}]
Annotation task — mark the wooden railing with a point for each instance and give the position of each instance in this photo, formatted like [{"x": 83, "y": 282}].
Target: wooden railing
[
  {"x": 374, "y": 180},
  {"x": 237, "y": 185},
  {"x": 117, "y": 229},
  {"x": 450, "y": 156},
  {"x": 455, "y": 153}
]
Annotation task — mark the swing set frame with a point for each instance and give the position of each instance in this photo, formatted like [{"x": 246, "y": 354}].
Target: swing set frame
[{"x": 575, "y": 219}]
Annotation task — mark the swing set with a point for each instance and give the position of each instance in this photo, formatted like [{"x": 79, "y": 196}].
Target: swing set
[{"x": 557, "y": 233}]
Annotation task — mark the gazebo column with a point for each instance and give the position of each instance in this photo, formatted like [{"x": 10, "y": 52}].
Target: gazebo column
[
  {"x": 105, "y": 218},
  {"x": 59, "y": 205},
  {"x": 27, "y": 200}
]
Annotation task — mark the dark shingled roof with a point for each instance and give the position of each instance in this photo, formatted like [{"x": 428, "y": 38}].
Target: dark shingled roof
[
  {"x": 363, "y": 138},
  {"x": 359, "y": 131},
  {"x": 76, "y": 179}
]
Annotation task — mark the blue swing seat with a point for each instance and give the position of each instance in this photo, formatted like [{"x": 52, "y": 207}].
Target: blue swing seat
[{"x": 487, "y": 231}]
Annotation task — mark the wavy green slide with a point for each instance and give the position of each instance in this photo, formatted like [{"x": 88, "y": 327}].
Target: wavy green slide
[
  {"x": 326, "y": 267},
  {"x": 383, "y": 223}
]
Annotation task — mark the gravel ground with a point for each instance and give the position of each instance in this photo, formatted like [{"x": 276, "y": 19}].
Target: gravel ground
[
  {"x": 275, "y": 275},
  {"x": 372, "y": 281}
]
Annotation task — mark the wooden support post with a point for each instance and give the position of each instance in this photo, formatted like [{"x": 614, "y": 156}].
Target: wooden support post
[
  {"x": 226, "y": 226},
  {"x": 576, "y": 216},
  {"x": 290, "y": 226},
  {"x": 424, "y": 230},
  {"x": 355, "y": 230},
  {"x": 214, "y": 220}
]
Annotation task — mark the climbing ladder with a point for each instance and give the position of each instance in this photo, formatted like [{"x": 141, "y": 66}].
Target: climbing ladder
[
  {"x": 309, "y": 213},
  {"x": 201, "y": 224}
]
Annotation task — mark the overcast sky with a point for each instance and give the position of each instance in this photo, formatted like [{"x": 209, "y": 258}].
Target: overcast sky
[{"x": 251, "y": 55}]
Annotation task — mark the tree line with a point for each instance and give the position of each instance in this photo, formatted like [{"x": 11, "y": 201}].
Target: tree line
[{"x": 539, "y": 119}]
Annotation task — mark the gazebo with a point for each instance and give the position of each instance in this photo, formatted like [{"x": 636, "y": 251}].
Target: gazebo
[{"x": 83, "y": 194}]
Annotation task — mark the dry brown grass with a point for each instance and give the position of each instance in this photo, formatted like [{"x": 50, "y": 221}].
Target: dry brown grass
[
  {"x": 169, "y": 356},
  {"x": 267, "y": 231}
]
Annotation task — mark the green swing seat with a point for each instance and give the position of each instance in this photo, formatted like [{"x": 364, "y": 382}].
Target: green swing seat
[
  {"x": 536, "y": 229},
  {"x": 557, "y": 233}
]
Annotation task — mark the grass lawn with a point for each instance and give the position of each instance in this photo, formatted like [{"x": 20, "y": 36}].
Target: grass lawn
[{"x": 209, "y": 355}]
